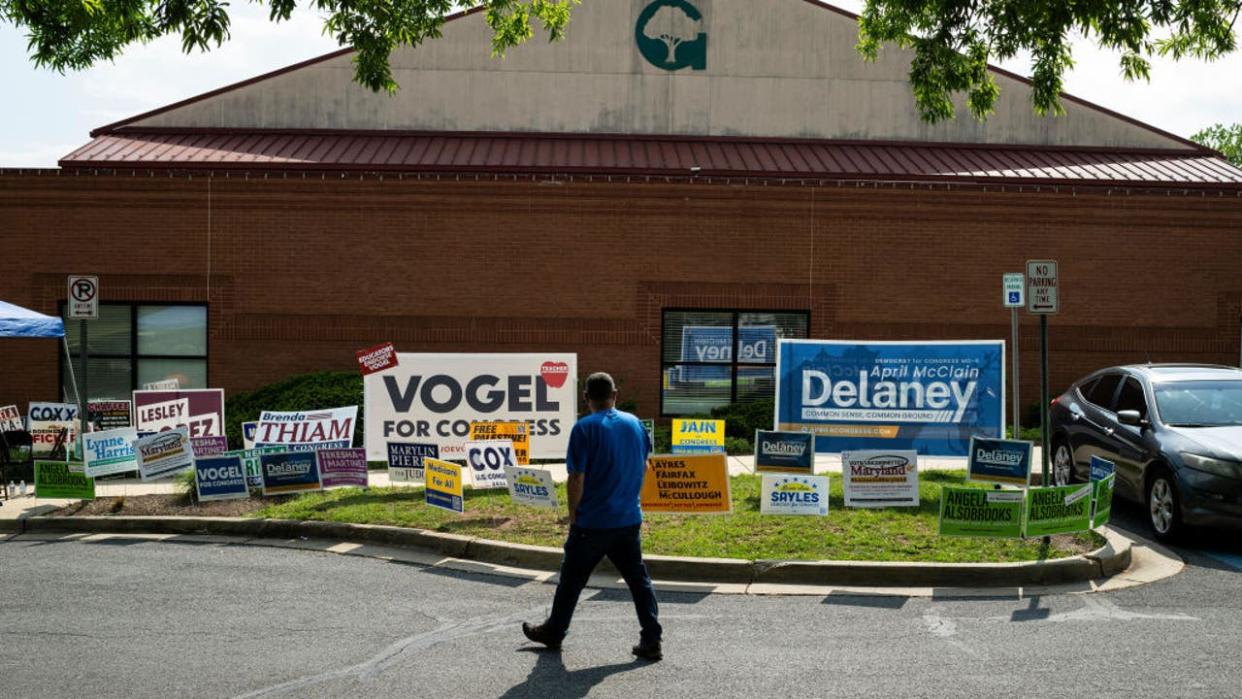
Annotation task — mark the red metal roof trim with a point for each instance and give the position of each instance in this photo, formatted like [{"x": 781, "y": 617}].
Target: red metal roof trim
[{"x": 609, "y": 154}]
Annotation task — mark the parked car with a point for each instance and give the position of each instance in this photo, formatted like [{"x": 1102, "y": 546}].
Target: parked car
[{"x": 1174, "y": 432}]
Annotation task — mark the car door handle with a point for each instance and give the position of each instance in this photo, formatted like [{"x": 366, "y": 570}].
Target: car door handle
[{"x": 1109, "y": 431}]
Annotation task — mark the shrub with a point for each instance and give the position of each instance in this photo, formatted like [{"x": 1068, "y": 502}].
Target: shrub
[
  {"x": 742, "y": 419},
  {"x": 319, "y": 391}
]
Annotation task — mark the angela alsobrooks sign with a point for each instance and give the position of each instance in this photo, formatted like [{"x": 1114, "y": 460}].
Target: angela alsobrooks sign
[
  {"x": 930, "y": 397},
  {"x": 433, "y": 398}
]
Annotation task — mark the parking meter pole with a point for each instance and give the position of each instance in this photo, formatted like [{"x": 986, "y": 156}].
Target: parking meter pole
[
  {"x": 85, "y": 387},
  {"x": 1043, "y": 392},
  {"x": 1017, "y": 424}
]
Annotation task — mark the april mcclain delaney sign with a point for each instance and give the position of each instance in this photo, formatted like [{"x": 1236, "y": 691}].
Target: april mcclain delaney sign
[
  {"x": 929, "y": 397},
  {"x": 789, "y": 452}
]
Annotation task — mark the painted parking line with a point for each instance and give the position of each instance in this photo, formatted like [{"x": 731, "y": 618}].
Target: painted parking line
[{"x": 1233, "y": 560}]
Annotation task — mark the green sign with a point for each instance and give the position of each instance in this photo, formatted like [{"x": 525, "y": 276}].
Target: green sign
[
  {"x": 1058, "y": 510},
  {"x": 58, "y": 479},
  {"x": 978, "y": 512},
  {"x": 1103, "y": 507},
  {"x": 669, "y": 35}
]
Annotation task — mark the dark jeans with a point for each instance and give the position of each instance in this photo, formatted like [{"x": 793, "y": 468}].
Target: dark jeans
[{"x": 584, "y": 548}]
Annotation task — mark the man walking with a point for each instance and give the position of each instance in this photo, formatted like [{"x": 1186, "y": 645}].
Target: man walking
[{"x": 606, "y": 461}]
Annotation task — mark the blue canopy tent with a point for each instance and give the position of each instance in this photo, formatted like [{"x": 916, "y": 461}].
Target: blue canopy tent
[{"x": 16, "y": 321}]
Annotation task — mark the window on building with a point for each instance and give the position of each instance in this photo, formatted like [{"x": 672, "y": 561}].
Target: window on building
[
  {"x": 713, "y": 358},
  {"x": 134, "y": 344}
]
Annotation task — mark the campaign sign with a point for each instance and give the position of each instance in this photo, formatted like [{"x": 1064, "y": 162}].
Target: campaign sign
[
  {"x": 307, "y": 430},
  {"x": 794, "y": 495},
  {"x": 516, "y": 432},
  {"x": 248, "y": 430},
  {"x": 444, "y": 485},
  {"x": 531, "y": 486},
  {"x": 377, "y": 358},
  {"x": 209, "y": 446},
  {"x": 343, "y": 467},
  {"x": 434, "y": 398},
  {"x": 163, "y": 454},
  {"x": 10, "y": 419},
  {"x": 202, "y": 411},
  {"x": 999, "y": 461},
  {"x": 929, "y": 397},
  {"x": 979, "y": 512},
  {"x": 107, "y": 414},
  {"x": 784, "y": 452},
  {"x": 1058, "y": 510},
  {"x": 1101, "y": 468},
  {"x": 693, "y": 436},
  {"x": 880, "y": 478},
  {"x": 251, "y": 463},
  {"x": 694, "y": 484},
  {"x": 405, "y": 461},
  {"x": 756, "y": 344},
  {"x": 110, "y": 451},
  {"x": 53, "y": 427},
  {"x": 649, "y": 428},
  {"x": 1102, "y": 502},
  {"x": 60, "y": 479},
  {"x": 289, "y": 472},
  {"x": 220, "y": 478},
  {"x": 487, "y": 461}
]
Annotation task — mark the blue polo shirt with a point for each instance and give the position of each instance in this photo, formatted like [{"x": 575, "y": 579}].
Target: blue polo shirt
[{"x": 610, "y": 447}]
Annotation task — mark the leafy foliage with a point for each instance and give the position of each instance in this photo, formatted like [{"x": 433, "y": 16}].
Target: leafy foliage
[
  {"x": 1225, "y": 139},
  {"x": 76, "y": 34},
  {"x": 953, "y": 40},
  {"x": 327, "y": 389}
]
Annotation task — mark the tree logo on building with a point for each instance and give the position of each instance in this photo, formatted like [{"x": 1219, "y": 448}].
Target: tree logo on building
[{"x": 669, "y": 37}]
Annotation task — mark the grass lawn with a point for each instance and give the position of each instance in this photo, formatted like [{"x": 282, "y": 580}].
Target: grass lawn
[{"x": 906, "y": 534}]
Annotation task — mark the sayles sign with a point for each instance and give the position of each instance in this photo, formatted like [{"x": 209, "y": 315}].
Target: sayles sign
[{"x": 433, "y": 398}]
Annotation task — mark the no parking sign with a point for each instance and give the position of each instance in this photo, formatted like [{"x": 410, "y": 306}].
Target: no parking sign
[{"x": 487, "y": 460}]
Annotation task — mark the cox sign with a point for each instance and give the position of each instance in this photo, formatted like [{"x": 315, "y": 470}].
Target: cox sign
[{"x": 488, "y": 461}]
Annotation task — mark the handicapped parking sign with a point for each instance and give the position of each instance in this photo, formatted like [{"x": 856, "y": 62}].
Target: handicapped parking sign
[{"x": 1015, "y": 298}]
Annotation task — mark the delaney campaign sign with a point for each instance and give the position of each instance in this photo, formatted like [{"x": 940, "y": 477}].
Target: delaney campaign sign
[
  {"x": 999, "y": 461},
  {"x": 434, "y": 398},
  {"x": 289, "y": 472},
  {"x": 789, "y": 452},
  {"x": 756, "y": 344},
  {"x": 199, "y": 409},
  {"x": 110, "y": 451},
  {"x": 220, "y": 478},
  {"x": 307, "y": 430},
  {"x": 250, "y": 459},
  {"x": 880, "y": 478},
  {"x": 930, "y": 397},
  {"x": 794, "y": 495}
]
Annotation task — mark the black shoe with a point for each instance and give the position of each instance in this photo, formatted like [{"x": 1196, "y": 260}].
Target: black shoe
[
  {"x": 648, "y": 650},
  {"x": 540, "y": 634}
]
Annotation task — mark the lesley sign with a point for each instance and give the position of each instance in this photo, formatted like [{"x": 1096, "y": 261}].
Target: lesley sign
[
  {"x": 930, "y": 397},
  {"x": 433, "y": 398}
]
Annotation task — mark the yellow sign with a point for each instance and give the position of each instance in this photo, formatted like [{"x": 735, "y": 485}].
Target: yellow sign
[
  {"x": 695, "y": 484},
  {"x": 516, "y": 432},
  {"x": 692, "y": 436},
  {"x": 444, "y": 484}
]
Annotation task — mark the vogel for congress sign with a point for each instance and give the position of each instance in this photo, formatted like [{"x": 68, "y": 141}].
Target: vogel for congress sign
[
  {"x": 930, "y": 397},
  {"x": 434, "y": 398}
]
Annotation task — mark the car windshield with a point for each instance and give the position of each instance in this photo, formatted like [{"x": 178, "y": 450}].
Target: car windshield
[{"x": 1200, "y": 403}]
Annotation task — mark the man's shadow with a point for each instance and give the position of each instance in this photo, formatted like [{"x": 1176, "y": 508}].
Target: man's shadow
[{"x": 550, "y": 678}]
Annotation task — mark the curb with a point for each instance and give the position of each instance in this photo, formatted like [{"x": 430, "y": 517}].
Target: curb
[{"x": 1109, "y": 560}]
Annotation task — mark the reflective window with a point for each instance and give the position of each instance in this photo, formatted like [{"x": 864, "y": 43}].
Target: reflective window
[
  {"x": 1102, "y": 392},
  {"x": 1131, "y": 398}
]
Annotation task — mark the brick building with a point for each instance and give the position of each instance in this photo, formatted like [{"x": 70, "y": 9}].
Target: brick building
[{"x": 612, "y": 197}]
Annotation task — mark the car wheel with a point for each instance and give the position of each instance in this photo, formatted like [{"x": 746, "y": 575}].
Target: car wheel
[
  {"x": 1164, "y": 506},
  {"x": 1062, "y": 463}
]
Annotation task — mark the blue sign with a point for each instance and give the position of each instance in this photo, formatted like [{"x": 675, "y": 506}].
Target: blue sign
[
  {"x": 248, "y": 431},
  {"x": 409, "y": 454},
  {"x": 1015, "y": 297},
  {"x": 784, "y": 451},
  {"x": 1000, "y": 461},
  {"x": 290, "y": 472},
  {"x": 929, "y": 397},
  {"x": 220, "y": 478},
  {"x": 756, "y": 344},
  {"x": 1101, "y": 468}
]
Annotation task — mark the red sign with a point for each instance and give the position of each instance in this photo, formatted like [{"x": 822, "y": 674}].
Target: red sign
[{"x": 377, "y": 358}]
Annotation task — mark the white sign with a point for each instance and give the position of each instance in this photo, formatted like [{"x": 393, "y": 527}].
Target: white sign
[
  {"x": 10, "y": 419},
  {"x": 433, "y": 398},
  {"x": 164, "y": 453},
  {"x": 1041, "y": 287},
  {"x": 486, "y": 461},
  {"x": 83, "y": 297},
  {"x": 165, "y": 385},
  {"x": 1014, "y": 290},
  {"x": 531, "y": 486},
  {"x": 165, "y": 415},
  {"x": 880, "y": 478},
  {"x": 110, "y": 451},
  {"x": 788, "y": 494},
  {"x": 307, "y": 430},
  {"x": 53, "y": 428}
]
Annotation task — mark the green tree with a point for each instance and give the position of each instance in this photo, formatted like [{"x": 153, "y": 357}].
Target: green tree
[
  {"x": 75, "y": 34},
  {"x": 953, "y": 41},
  {"x": 1225, "y": 139}
]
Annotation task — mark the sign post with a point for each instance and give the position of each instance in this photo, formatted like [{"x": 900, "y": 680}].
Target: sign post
[
  {"x": 1043, "y": 300},
  {"x": 83, "y": 306},
  {"x": 1014, "y": 285}
]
